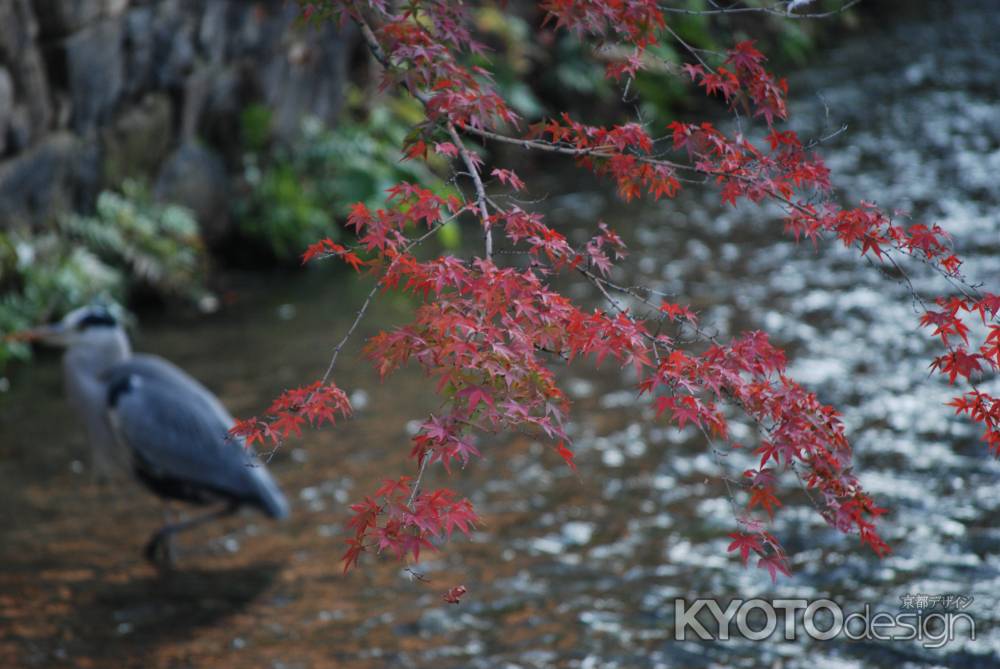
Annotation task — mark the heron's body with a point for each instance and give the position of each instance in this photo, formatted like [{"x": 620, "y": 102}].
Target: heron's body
[
  {"x": 178, "y": 438},
  {"x": 147, "y": 415}
]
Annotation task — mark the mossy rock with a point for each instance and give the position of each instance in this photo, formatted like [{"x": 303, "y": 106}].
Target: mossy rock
[{"x": 138, "y": 141}]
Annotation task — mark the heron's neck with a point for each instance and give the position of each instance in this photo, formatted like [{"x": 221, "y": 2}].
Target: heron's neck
[{"x": 98, "y": 356}]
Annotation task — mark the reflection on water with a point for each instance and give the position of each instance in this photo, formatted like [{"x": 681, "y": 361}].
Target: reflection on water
[{"x": 565, "y": 571}]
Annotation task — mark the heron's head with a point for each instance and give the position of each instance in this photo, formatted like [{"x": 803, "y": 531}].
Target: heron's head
[{"x": 88, "y": 327}]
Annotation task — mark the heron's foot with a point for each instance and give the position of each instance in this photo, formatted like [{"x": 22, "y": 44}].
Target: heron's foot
[{"x": 160, "y": 550}]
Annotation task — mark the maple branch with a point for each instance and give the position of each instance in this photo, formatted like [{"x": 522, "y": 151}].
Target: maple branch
[
  {"x": 371, "y": 41},
  {"x": 371, "y": 293},
  {"x": 477, "y": 181},
  {"x": 955, "y": 280},
  {"x": 774, "y": 10},
  {"x": 369, "y": 37},
  {"x": 591, "y": 152},
  {"x": 687, "y": 47},
  {"x": 542, "y": 145},
  {"x": 278, "y": 441},
  {"x": 493, "y": 323},
  {"x": 717, "y": 453},
  {"x": 350, "y": 331},
  {"x": 420, "y": 475},
  {"x": 916, "y": 296},
  {"x": 602, "y": 284},
  {"x": 599, "y": 152},
  {"x": 379, "y": 53}
]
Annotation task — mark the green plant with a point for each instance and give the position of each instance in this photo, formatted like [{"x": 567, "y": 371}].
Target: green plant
[
  {"x": 156, "y": 244},
  {"x": 299, "y": 191},
  {"x": 511, "y": 54},
  {"x": 43, "y": 276},
  {"x": 129, "y": 241},
  {"x": 255, "y": 127}
]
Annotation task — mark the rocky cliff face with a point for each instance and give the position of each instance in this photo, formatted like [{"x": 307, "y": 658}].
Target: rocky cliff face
[{"x": 93, "y": 91}]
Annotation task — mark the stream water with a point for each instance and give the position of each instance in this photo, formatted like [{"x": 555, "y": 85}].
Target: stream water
[{"x": 566, "y": 571}]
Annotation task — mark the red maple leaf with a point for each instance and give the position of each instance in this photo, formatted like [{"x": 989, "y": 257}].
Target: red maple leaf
[
  {"x": 567, "y": 455},
  {"x": 454, "y": 595},
  {"x": 774, "y": 564},
  {"x": 764, "y": 497},
  {"x": 745, "y": 543}
]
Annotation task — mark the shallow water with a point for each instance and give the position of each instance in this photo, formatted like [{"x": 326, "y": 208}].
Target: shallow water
[{"x": 566, "y": 571}]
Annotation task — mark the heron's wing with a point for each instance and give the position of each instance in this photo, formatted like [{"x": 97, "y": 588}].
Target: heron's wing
[
  {"x": 178, "y": 434},
  {"x": 159, "y": 368}
]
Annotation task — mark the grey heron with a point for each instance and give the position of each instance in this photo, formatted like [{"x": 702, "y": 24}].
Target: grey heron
[{"x": 147, "y": 415}]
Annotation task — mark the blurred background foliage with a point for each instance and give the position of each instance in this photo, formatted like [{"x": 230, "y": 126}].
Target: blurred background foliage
[
  {"x": 288, "y": 193},
  {"x": 129, "y": 246},
  {"x": 154, "y": 246},
  {"x": 297, "y": 192}
]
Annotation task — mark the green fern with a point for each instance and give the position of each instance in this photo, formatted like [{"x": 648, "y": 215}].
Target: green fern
[
  {"x": 129, "y": 240},
  {"x": 298, "y": 192},
  {"x": 44, "y": 277},
  {"x": 158, "y": 245}
]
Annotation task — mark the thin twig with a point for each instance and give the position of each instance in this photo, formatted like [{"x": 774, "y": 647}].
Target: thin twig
[
  {"x": 371, "y": 295},
  {"x": 958, "y": 282},
  {"x": 420, "y": 475}
]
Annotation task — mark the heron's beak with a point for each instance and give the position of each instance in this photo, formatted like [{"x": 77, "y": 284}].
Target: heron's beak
[{"x": 47, "y": 334}]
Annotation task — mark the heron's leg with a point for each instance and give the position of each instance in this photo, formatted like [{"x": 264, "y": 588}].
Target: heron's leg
[
  {"x": 159, "y": 548},
  {"x": 168, "y": 546}
]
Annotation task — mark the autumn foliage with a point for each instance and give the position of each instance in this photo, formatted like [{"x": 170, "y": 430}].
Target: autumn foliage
[{"x": 491, "y": 334}]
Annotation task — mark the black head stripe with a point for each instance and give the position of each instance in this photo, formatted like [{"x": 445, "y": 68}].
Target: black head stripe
[{"x": 96, "y": 318}]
